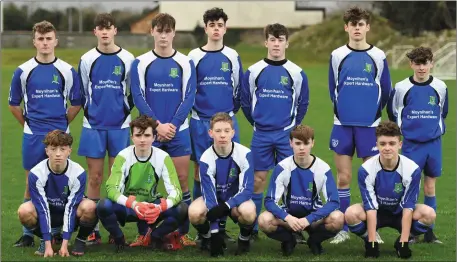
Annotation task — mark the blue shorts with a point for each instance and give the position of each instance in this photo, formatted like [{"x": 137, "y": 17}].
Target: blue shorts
[
  {"x": 427, "y": 156},
  {"x": 345, "y": 139},
  {"x": 33, "y": 150},
  {"x": 200, "y": 138},
  {"x": 269, "y": 148},
  {"x": 178, "y": 146},
  {"x": 94, "y": 142}
]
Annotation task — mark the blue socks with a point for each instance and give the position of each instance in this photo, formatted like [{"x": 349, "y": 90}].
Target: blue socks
[
  {"x": 257, "y": 198},
  {"x": 431, "y": 202},
  {"x": 345, "y": 201}
]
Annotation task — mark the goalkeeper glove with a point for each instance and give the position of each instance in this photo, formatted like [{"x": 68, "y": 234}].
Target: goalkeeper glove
[
  {"x": 402, "y": 249},
  {"x": 140, "y": 208},
  {"x": 217, "y": 212},
  {"x": 371, "y": 249},
  {"x": 155, "y": 210}
]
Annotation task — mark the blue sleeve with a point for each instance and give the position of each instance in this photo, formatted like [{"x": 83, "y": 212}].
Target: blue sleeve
[
  {"x": 40, "y": 202},
  {"x": 331, "y": 81},
  {"x": 386, "y": 84},
  {"x": 445, "y": 106},
  {"x": 390, "y": 107},
  {"x": 303, "y": 100},
  {"x": 16, "y": 95},
  {"x": 208, "y": 185},
  {"x": 411, "y": 193},
  {"x": 76, "y": 195},
  {"x": 246, "y": 98},
  {"x": 246, "y": 183},
  {"x": 237, "y": 91},
  {"x": 275, "y": 193},
  {"x": 367, "y": 192},
  {"x": 331, "y": 197},
  {"x": 138, "y": 92},
  {"x": 75, "y": 91},
  {"x": 189, "y": 98},
  {"x": 84, "y": 83}
]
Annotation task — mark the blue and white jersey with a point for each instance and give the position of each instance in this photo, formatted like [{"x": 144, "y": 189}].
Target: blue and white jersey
[
  {"x": 359, "y": 85},
  {"x": 218, "y": 79},
  {"x": 227, "y": 179},
  {"x": 419, "y": 108},
  {"x": 389, "y": 190},
  {"x": 53, "y": 193},
  {"x": 45, "y": 88},
  {"x": 293, "y": 187},
  {"x": 105, "y": 79},
  {"x": 275, "y": 95},
  {"x": 164, "y": 87}
]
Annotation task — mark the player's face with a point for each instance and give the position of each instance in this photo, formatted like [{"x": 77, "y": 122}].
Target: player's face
[
  {"x": 142, "y": 141},
  {"x": 45, "y": 43},
  {"x": 422, "y": 71},
  {"x": 301, "y": 149},
  {"x": 357, "y": 31},
  {"x": 58, "y": 155},
  {"x": 277, "y": 46},
  {"x": 105, "y": 35},
  {"x": 163, "y": 37},
  {"x": 388, "y": 147},
  {"x": 222, "y": 133},
  {"x": 215, "y": 29}
]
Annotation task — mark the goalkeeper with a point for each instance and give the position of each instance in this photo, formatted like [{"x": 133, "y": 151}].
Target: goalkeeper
[{"x": 132, "y": 188}]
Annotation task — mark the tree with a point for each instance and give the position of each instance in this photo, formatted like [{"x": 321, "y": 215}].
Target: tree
[{"x": 15, "y": 18}]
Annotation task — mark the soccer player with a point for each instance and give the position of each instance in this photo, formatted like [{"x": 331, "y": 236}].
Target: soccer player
[
  {"x": 219, "y": 72},
  {"x": 104, "y": 71},
  {"x": 163, "y": 87},
  {"x": 44, "y": 83},
  {"x": 227, "y": 181},
  {"x": 132, "y": 188},
  {"x": 359, "y": 86},
  {"x": 389, "y": 185},
  {"x": 274, "y": 99},
  {"x": 419, "y": 105},
  {"x": 56, "y": 186},
  {"x": 297, "y": 182}
]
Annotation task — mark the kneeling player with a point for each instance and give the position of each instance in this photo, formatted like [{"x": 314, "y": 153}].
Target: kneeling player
[
  {"x": 136, "y": 172},
  {"x": 298, "y": 181},
  {"x": 227, "y": 182},
  {"x": 389, "y": 184},
  {"x": 57, "y": 187}
]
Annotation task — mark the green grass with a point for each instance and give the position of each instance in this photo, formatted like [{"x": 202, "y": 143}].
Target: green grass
[{"x": 319, "y": 116}]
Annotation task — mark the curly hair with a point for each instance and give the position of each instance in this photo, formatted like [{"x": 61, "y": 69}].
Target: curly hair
[
  {"x": 142, "y": 123},
  {"x": 420, "y": 55},
  {"x": 388, "y": 128},
  {"x": 58, "y": 138},
  {"x": 355, "y": 14},
  {"x": 43, "y": 27},
  {"x": 214, "y": 14}
]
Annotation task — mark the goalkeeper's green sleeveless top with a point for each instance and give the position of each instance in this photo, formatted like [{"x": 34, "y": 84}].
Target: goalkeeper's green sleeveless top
[{"x": 130, "y": 176}]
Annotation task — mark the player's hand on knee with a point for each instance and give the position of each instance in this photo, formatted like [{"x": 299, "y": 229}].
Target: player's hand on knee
[
  {"x": 371, "y": 249},
  {"x": 217, "y": 212},
  {"x": 294, "y": 223},
  {"x": 403, "y": 250},
  {"x": 217, "y": 244}
]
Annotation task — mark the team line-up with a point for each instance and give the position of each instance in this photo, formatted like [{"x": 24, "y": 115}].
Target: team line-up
[{"x": 210, "y": 84}]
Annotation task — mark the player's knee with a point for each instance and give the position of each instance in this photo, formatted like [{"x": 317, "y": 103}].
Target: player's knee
[
  {"x": 265, "y": 219},
  {"x": 351, "y": 214},
  {"x": 87, "y": 208},
  {"x": 247, "y": 212},
  {"x": 344, "y": 179},
  {"x": 25, "y": 212},
  {"x": 336, "y": 221},
  {"x": 429, "y": 215},
  {"x": 196, "y": 214},
  {"x": 95, "y": 179},
  {"x": 104, "y": 208}
]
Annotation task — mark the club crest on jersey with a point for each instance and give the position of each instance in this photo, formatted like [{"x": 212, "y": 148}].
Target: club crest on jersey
[
  {"x": 55, "y": 79},
  {"x": 284, "y": 80},
  {"x": 65, "y": 192},
  {"x": 310, "y": 187},
  {"x": 398, "y": 188},
  {"x": 149, "y": 179},
  {"x": 232, "y": 172},
  {"x": 367, "y": 68},
  {"x": 432, "y": 100},
  {"x": 225, "y": 66},
  {"x": 117, "y": 70},
  {"x": 174, "y": 72},
  {"x": 334, "y": 142}
]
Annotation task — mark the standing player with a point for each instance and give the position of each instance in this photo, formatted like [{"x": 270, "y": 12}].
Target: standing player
[
  {"x": 219, "y": 72},
  {"x": 132, "y": 188},
  {"x": 104, "y": 72},
  {"x": 163, "y": 87},
  {"x": 227, "y": 180},
  {"x": 275, "y": 98},
  {"x": 57, "y": 187},
  {"x": 44, "y": 82},
  {"x": 298, "y": 181},
  {"x": 359, "y": 85},
  {"x": 389, "y": 185},
  {"x": 419, "y": 104}
]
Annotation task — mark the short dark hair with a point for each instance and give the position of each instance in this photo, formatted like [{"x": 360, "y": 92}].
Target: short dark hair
[
  {"x": 43, "y": 27},
  {"x": 388, "y": 128},
  {"x": 303, "y": 133},
  {"x": 355, "y": 14},
  {"x": 58, "y": 138},
  {"x": 142, "y": 123},
  {"x": 163, "y": 20},
  {"x": 276, "y": 30},
  {"x": 420, "y": 55},
  {"x": 221, "y": 117},
  {"x": 104, "y": 20},
  {"x": 214, "y": 14}
]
